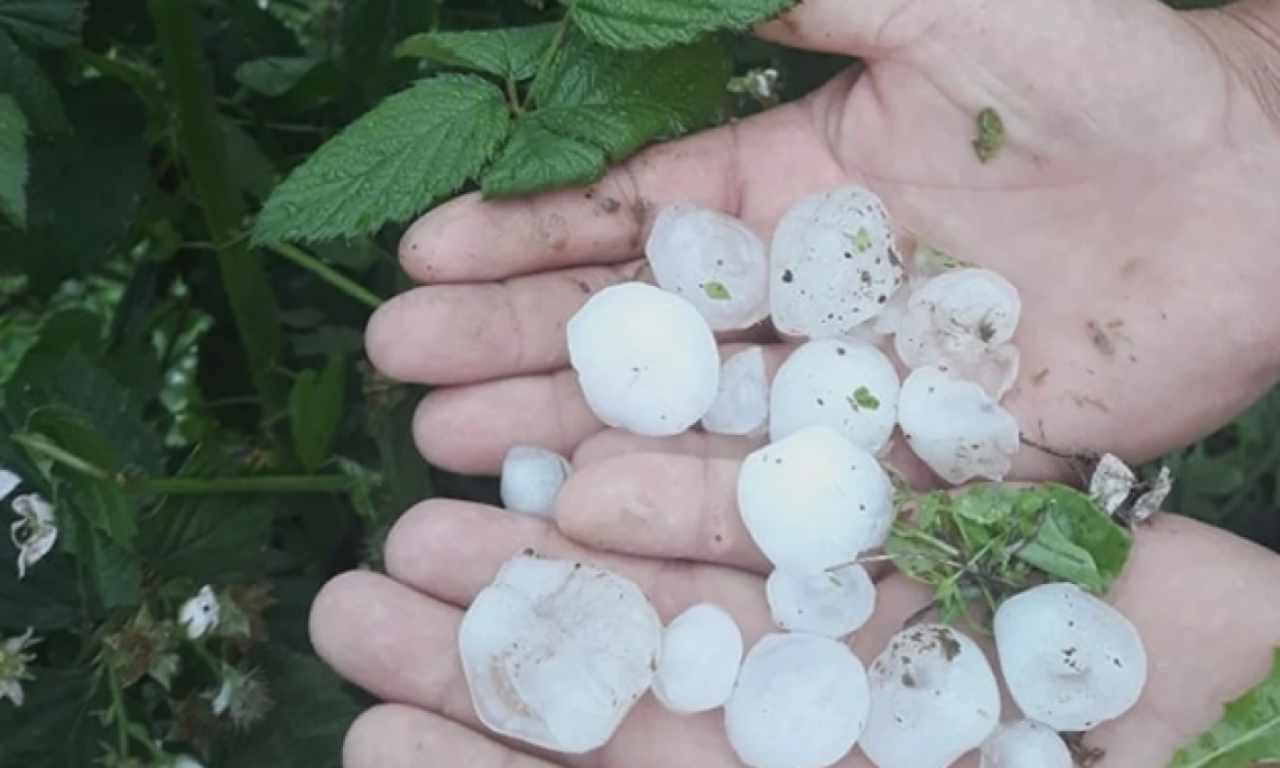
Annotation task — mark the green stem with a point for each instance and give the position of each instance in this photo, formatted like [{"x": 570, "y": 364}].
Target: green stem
[
  {"x": 561, "y": 32},
  {"x": 118, "y": 713},
  {"x": 253, "y": 305},
  {"x": 40, "y": 444},
  {"x": 326, "y": 273}
]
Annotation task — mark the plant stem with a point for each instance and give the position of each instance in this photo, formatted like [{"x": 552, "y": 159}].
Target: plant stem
[
  {"x": 119, "y": 715},
  {"x": 561, "y": 32},
  {"x": 253, "y": 305},
  {"x": 40, "y": 444},
  {"x": 326, "y": 273}
]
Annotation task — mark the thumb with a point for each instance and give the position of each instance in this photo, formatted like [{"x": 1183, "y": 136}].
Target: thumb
[{"x": 862, "y": 28}]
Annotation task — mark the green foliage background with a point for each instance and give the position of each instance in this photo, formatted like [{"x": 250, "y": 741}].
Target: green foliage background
[{"x": 146, "y": 136}]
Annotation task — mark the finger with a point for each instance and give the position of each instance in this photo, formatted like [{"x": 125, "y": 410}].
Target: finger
[
  {"x": 396, "y": 736},
  {"x": 472, "y": 239},
  {"x": 612, "y": 443}
]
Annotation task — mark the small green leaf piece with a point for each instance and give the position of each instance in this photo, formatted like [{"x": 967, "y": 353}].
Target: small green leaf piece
[
  {"x": 1248, "y": 733},
  {"x": 631, "y": 24},
  {"x": 1075, "y": 540},
  {"x": 861, "y": 240},
  {"x": 537, "y": 158},
  {"x": 990, "y": 135},
  {"x": 392, "y": 163},
  {"x": 513, "y": 53},
  {"x": 315, "y": 408},
  {"x": 14, "y": 163},
  {"x": 716, "y": 291},
  {"x": 862, "y": 398}
]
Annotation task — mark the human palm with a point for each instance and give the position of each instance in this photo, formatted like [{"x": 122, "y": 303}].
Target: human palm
[{"x": 1135, "y": 158}]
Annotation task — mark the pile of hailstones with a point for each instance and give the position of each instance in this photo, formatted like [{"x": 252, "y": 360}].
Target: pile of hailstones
[{"x": 557, "y": 653}]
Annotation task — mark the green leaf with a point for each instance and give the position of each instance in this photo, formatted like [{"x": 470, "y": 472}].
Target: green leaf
[
  {"x": 275, "y": 75},
  {"x": 13, "y": 162},
  {"x": 633, "y": 24},
  {"x": 622, "y": 100},
  {"x": 108, "y": 509},
  {"x": 305, "y": 728},
  {"x": 315, "y": 408},
  {"x": 392, "y": 163},
  {"x": 56, "y": 727},
  {"x": 1248, "y": 733},
  {"x": 116, "y": 573},
  {"x": 23, "y": 79},
  {"x": 369, "y": 31},
  {"x": 1075, "y": 540},
  {"x": 512, "y": 53},
  {"x": 537, "y": 158},
  {"x": 43, "y": 23},
  {"x": 716, "y": 291},
  {"x": 46, "y": 600},
  {"x": 862, "y": 398}
]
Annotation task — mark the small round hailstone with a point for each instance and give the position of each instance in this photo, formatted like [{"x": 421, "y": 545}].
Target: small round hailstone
[
  {"x": 833, "y": 603},
  {"x": 845, "y": 384},
  {"x": 701, "y": 652},
  {"x": 1025, "y": 744},
  {"x": 934, "y": 697},
  {"x": 956, "y": 428},
  {"x": 964, "y": 320},
  {"x": 1070, "y": 661},
  {"x": 800, "y": 700},
  {"x": 814, "y": 500},
  {"x": 712, "y": 260},
  {"x": 556, "y": 653},
  {"x": 742, "y": 402},
  {"x": 832, "y": 264},
  {"x": 532, "y": 477},
  {"x": 645, "y": 358}
]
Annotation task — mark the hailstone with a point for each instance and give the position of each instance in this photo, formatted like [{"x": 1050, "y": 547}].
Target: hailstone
[
  {"x": 556, "y": 653},
  {"x": 1070, "y": 661},
  {"x": 801, "y": 700},
  {"x": 934, "y": 697},
  {"x": 835, "y": 602},
  {"x": 713, "y": 261},
  {"x": 845, "y": 384},
  {"x": 742, "y": 402},
  {"x": 814, "y": 500},
  {"x": 531, "y": 479},
  {"x": 832, "y": 263},
  {"x": 645, "y": 358},
  {"x": 1025, "y": 744},
  {"x": 698, "y": 666},
  {"x": 955, "y": 427},
  {"x": 963, "y": 320}
]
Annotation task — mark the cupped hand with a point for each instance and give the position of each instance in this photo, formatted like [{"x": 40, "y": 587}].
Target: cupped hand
[
  {"x": 1130, "y": 204},
  {"x": 1203, "y": 601}
]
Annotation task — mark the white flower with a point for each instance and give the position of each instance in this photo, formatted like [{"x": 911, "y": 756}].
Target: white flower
[
  {"x": 35, "y": 530},
  {"x": 9, "y": 483},
  {"x": 200, "y": 614},
  {"x": 185, "y": 761},
  {"x": 13, "y": 666},
  {"x": 222, "y": 699}
]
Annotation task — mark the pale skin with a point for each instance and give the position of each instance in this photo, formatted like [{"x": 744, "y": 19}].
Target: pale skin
[{"x": 1132, "y": 205}]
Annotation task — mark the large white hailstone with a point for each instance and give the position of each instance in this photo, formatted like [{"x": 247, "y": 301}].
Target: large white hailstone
[
  {"x": 1025, "y": 744},
  {"x": 1070, "y": 661},
  {"x": 833, "y": 603},
  {"x": 701, "y": 652},
  {"x": 742, "y": 402},
  {"x": 955, "y": 427},
  {"x": 556, "y": 653},
  {"x": 845, "y": 384},
  {"x": 531, "y": 479},
  {"x": 934, "y": 697},
  {"x": 646, "y": 360},
  {"x": 801, "y": 700},
  {"x": 714, "y": 261},
  {"x": 832, "y": 264},
  {"x": 814, "y": 500},
  {"x": 963, "y": 320}
]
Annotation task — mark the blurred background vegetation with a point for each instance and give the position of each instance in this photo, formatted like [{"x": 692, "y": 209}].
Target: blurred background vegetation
[{"x": 113, "y": 308}]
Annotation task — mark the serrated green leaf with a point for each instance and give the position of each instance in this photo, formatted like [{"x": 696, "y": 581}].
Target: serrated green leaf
[
  {"x": 27, "y": 83},
  {"x": 392, "y": 163},
  {"x": 306, "y": 726},
  {"x": 622, "y": 100},
  {"x": 1075, "y": 540},
  {"x": 315, "y": 408},
  {"x": 43, "y": 23},
  {"x": 513, "y": 53},
  {"x": 13, "y": 162},
  {"x": 536, "y": 159},
  {"x": 1248, "y": 733},
  {"x": 631, "y": 24}
]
